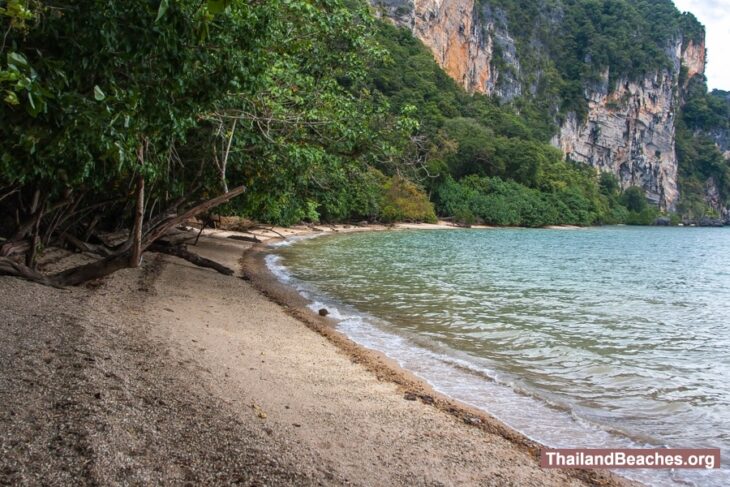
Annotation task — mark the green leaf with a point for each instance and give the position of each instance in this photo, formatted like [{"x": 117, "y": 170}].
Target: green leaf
[
  {"x": 164, "y": 5},
  {"x": 217, "y": 6},
  {"x": 17, "y": 59},
  {"x": 98, "y": 94},
  {"x": 11, "y": 98}
]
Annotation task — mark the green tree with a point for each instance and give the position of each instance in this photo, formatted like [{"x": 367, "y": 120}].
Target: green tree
[
  {"x": 139, "y": 107},
  {"x": 634, "y": 199}
]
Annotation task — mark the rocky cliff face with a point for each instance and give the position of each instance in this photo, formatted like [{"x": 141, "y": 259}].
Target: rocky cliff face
[
  {"x": 693, "y": 58},
  {"x": 715, "y": 201},
  {"x": 629, "y": 132},
  {"x": 629, "y": 129},
  {"x": 462, "y": 36},
  {"x": 721, "y": 137}
]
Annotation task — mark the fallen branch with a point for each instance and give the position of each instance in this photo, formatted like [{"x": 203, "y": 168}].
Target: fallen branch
[
  {"x": 267, "y": 229},
  {"x": 14, "y": 247},
  {"x": 179, "y": 251},
  {"x": 243, "y": 238},
  {"x": 166, "y": 225},
  {"x": 8, "y": 267},
  {"x": 85, "y": 246},
  {"x": 94, "y": 270}
]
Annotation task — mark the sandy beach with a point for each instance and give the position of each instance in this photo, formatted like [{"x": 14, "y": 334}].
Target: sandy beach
[{"x": 174, "y": 374}]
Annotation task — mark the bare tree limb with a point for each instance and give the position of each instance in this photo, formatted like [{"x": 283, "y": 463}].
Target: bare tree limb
[
  {"x": 8, "y": 267},
  {"x": 23, "y": 229},
  {"x": 162, "y": 228},
  {"x": 136, "y": 257},
  {"x": 86, "y": 247},
  {"x": 121, "y": 257},
  {"x": 181, "y": 252},
  {"x": 35, "y": 239},
  {"x": 12, "y": 191}
]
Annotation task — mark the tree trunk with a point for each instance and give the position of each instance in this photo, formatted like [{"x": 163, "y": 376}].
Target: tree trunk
[
  {"x": 224, "y": 163},
  {"x": 136, "y": 256},
  {"x": 35, "y": 239}
]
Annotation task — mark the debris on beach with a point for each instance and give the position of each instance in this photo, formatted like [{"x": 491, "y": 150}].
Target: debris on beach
[{"x": 259, "y": 412}]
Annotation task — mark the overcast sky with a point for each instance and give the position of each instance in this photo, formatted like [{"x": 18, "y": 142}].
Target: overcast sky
[{"x": 715, "y": 15}]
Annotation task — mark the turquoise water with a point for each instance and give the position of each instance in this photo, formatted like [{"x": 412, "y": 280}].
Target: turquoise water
[{"x": 614, "y": 336}]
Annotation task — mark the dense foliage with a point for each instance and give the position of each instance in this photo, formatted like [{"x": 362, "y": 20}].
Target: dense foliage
[
  {"x": 704, "y": 118},
  {"x": 191, "y": 96}
]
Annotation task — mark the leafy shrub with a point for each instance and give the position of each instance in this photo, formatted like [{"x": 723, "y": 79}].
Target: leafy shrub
[
  {"x": 404, "y": 201},
  {"x": 507, "y": 203},
  {"x": 634, "y": 199},
  {"x": 647, "y": 216}
]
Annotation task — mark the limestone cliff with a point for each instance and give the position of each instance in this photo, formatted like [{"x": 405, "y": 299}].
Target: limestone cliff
[
  {"x": 629, "y": 128},
  {"x": 721, "y": 134},
  {"x": 629, "y": 131},
  {"x": 462, "y": 36},
  {"x": 694, "y": 58}
]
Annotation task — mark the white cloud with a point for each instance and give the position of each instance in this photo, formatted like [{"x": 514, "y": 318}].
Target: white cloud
[{"x": 715, "y": 15}]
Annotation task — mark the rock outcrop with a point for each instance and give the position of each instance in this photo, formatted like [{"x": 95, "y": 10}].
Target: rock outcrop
[
  {"x": 721, "y": 135},
  {"x": 630, "y": 127},
  {"x": 629, "y": 131},
  {"x": 462, "y": 36},
  {"x": 714, "y": 200},
  {"x": 694, "y": 58}
]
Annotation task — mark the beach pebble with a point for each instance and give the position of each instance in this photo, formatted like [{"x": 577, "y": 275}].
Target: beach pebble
[
  {"x": 323, "y": 312},
  {"x": 427, "y": 399}
]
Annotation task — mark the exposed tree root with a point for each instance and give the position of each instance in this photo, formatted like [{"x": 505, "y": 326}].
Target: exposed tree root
[{"x": 122, "y": 256}]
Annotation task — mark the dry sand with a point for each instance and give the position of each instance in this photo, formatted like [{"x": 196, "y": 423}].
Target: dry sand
[{"x": 173, "y": 374}]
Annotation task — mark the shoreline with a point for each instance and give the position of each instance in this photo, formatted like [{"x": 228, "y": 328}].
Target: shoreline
[
  {"x": 257, "y": 272},
  {"x": 174, "y": 374}
]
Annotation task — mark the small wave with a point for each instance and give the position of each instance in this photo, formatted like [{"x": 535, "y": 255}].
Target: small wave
[
  {"x": 289, "y": 241},
  {"x": 273, "y": 263}
]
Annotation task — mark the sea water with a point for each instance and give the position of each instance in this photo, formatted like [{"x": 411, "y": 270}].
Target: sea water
[{"x": 598, "y": 337}]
